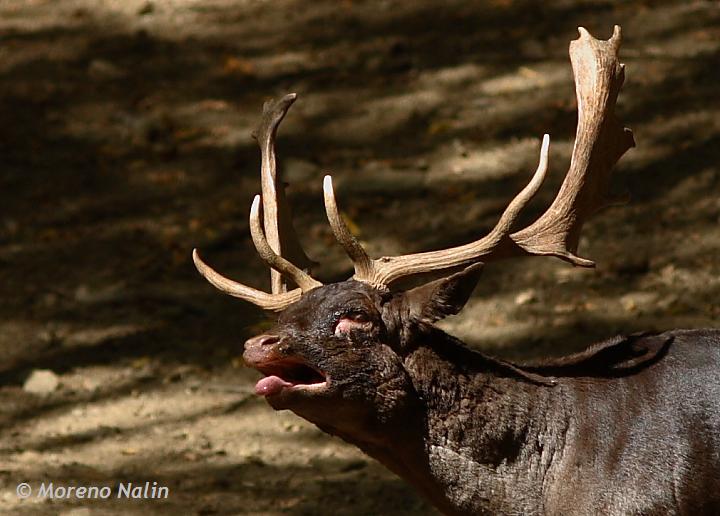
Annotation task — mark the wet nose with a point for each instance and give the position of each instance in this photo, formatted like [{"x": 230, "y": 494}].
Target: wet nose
[{"x": 262, "y": 340}]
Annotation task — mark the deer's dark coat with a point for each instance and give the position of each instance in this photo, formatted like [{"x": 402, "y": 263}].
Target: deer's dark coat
[{"x": 629, "y": 426}]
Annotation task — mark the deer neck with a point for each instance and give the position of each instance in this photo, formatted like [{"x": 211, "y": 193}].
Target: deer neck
[
  {"x": 489, "y": 437},
  {"x": 481, "y": 437}
]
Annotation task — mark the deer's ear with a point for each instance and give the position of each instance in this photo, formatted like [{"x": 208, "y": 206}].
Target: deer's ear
[{"x": 438, "y": 299}]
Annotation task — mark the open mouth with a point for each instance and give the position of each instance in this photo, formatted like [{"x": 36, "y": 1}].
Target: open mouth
[{"x": 288, "y": 374}]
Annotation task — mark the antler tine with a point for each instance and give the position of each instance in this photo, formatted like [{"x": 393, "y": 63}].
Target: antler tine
[
  {"x": 385, "y": 270},
  {"x": 276, "y": 301},
  {"x": 361, "y": 261},
  {"x": 277, "y": 219},
  {"x": 510, "y": 215},
  {"x": 600, "y": 142},
  {"x": 274, "y": 260},
  {"x": 273, "y": 302}
]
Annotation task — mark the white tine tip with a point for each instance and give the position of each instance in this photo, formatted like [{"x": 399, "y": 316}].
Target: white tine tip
[
  {"x": 616, "y": 37},
  {"x": 583, "y": 32},
  {"x": 327, "y": 184},
  {"x": 255, "y": 207},
  {"x": 199, "y": 264}
]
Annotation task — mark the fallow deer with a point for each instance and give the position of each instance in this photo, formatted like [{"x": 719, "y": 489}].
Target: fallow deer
[{"x": 628, "y": 426}]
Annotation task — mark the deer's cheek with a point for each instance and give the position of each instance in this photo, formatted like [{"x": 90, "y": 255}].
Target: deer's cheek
[{"x": 345, "y": 326}]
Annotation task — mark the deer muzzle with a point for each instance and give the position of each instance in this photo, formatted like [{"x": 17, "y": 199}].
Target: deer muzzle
[{"x": 283, "y": 371}]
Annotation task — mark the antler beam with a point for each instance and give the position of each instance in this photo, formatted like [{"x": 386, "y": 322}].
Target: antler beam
[
  {"x": 277, "y": 219},
  {"x": 274, "y": 238}
]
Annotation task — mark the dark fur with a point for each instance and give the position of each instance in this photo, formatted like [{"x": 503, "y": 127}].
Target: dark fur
[{"x": 629, "y": 426}]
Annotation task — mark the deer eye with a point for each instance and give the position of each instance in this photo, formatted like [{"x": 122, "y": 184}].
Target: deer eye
[
  {"x": 358, "y": 317},
  {"x": 350, "y": 321}
]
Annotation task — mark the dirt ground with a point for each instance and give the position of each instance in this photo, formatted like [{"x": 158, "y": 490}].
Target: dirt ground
[{"x": 125, "y": 142}]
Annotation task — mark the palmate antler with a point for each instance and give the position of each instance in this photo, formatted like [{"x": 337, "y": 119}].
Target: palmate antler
[{"x": 599, "y": 142}]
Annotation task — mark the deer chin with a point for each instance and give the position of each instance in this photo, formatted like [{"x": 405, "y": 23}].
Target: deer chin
[{"x": 288, "y": 377}]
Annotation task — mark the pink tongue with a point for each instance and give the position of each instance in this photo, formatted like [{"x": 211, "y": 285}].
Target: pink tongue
[{"x": 270, "y": 385}]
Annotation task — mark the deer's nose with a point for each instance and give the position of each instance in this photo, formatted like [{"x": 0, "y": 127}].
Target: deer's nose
[{"x": 261, "y": 341}]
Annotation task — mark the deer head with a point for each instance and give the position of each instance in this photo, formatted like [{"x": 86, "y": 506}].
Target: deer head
[{"x": 336, "y": 355}]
